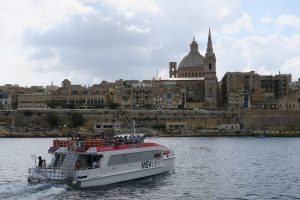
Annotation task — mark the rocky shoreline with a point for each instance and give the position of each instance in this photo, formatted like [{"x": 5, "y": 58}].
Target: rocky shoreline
[{"x": 69, "y": 132}]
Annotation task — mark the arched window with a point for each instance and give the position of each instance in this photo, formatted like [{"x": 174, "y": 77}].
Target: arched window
[{"x": 209, "y": 66}]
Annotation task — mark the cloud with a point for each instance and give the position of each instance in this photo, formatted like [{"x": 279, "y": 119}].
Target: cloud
[
  {"x": 288, "y": 20},
  {"x": 138, "y": 29},
  {"x": 100, "y": 49},
  {"x": 292, "y": 65},
  {"x": 109, "y": 45},
  {"x": 243, "y": 23},
  {"x": 129, "y": 8},
  {"x": 266, "y": 20},
  {"x": 19, "y": 17},
  {"x": 265, "y": 55},
  {"x": 88, "y": 41}
]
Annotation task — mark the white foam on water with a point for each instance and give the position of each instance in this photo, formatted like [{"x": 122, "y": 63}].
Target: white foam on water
[
  {"x": 43, "y": 194},
  {"x": 22, "y": 190},
  {"x": 10, "y": 188}
]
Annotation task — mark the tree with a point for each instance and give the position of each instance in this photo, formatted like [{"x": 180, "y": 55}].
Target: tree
[
  {"x": 52, "y": 119},
  {"x": 148, "y": 106},
  {"x": 77, "y": 119},
  {"x": 27, "y": 113},
  {"x": 114, "y": 105},
  {"x": 180, "y": 106}
]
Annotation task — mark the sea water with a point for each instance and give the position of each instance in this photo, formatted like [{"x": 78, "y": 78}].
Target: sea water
[{"x": 206, "y": 168}]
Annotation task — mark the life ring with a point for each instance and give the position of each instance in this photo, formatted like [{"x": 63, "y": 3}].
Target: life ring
[{"x": 77, "y": 164}]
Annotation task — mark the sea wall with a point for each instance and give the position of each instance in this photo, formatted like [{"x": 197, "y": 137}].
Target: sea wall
[{"x": 198, "y": 121}]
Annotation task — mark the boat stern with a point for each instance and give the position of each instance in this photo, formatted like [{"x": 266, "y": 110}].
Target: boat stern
[{"x": 38, "y": 175}]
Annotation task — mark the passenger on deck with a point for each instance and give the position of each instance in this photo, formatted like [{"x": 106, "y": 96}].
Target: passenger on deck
[
  {"x": 95, "y": 164},
  {"x": 44, "y": 163},
  {"x": 40, "y": 161},
  {"x": 125, "y": 140}
]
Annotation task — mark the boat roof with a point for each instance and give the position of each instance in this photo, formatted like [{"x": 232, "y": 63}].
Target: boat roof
[
  {"x": 128, "y": 146},
  {"x": 97, "y": 145}
]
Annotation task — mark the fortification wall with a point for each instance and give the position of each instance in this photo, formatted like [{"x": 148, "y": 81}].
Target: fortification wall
[{"x": 199, "y": 119}]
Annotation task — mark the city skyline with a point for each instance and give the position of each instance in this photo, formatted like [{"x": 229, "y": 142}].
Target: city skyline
[{"x": 89, "y": 41}]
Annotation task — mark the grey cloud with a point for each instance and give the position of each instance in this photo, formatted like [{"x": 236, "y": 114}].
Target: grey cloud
[{"x": 105, "y": 48}]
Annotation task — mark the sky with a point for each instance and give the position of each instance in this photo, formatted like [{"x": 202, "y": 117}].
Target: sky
[{"x": 89, "y": 41}]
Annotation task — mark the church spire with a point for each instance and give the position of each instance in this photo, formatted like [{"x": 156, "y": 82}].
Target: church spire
[
  {"x": 209, "y": 48},
  {"x": 194, "y": 46}
]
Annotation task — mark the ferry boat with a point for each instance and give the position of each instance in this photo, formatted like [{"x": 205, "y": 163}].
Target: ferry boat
[{"x": 94, "y": 162}]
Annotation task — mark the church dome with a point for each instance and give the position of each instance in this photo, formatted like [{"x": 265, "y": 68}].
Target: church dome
[{"x": 193, "y": 59}]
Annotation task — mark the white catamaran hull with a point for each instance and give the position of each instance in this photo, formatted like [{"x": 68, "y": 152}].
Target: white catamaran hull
[
  {"x": 97, "y": 177},
  {"x": 90, "y": 162}
]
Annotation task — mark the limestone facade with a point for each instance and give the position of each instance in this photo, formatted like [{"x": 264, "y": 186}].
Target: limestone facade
[
  {"x": 168, "y": 94},
  {"x": 251, "y": 90},
  {"x": 5, "y": 101},
  {"x": 195, "y": 65},
  {"x": 43, "y": 101}
]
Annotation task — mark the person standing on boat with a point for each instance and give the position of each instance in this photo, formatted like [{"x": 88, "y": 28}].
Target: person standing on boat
[
  {"x": 44, "y": 163},
  {"x": 40, "y": 161},
  {"x": 95, "y": 164}
]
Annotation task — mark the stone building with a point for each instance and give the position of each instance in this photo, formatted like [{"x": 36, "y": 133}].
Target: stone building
[
  {"x": 58, "y": 101},
  {"x": 142, "y": 94},
  {"x": 239, "y": 88},
  {"x": 277, "y": 86},
  {"x": 292, "y": 100},
  {"x": 5, "y": 101},
  {"x": 195, "y": 65},
  {"x": 104, "y": 87},
  {"x": 32, "y": 101},
  {"x": 67, "y": 88},
  {"x": 81, "y": 101},
  {"x": 251, "y": 90},
  {"x": 11, "y": 95},
  {"x": 168, "y": 94},
  {"x": 68, "y": 96},
  {"x": 133, "y": 94}
]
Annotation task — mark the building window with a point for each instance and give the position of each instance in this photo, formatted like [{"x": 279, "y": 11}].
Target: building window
[{"x": 209, "y": 66}]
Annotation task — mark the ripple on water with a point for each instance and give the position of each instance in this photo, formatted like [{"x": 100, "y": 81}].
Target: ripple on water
[
  {"x": 22, "y": 190},
  {"x": 206, "y": 168}
]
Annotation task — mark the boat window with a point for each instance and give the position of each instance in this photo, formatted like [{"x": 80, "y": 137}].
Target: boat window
[
  {"x": 141, "y": 156},
  {"x": 132, "y": 157},
  {"x": 117, "y": 160},
  {"x": 88, "y": 160}
]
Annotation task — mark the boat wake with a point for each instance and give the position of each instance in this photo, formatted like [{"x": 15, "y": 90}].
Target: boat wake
[{"x": 22, "y": 190}]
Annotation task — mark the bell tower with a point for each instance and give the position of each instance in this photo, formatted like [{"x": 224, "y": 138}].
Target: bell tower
[
  {"x": 172, "y": 69},
  {"x": 210, "y": 78}
]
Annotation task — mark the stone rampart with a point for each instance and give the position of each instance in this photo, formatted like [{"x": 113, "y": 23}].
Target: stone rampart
[{"x": 254, "y": 120}]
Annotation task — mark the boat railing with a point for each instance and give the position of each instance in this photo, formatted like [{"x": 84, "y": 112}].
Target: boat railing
[
  {"x": 81, "y": 145},
  {"x": 50, "y": 173}
]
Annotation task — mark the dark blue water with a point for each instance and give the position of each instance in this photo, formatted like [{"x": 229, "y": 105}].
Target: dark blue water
[{"x": 206, "y": 168}]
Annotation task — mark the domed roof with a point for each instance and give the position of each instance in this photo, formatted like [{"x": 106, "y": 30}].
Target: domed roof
[{"x": 193, "y": 59}]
